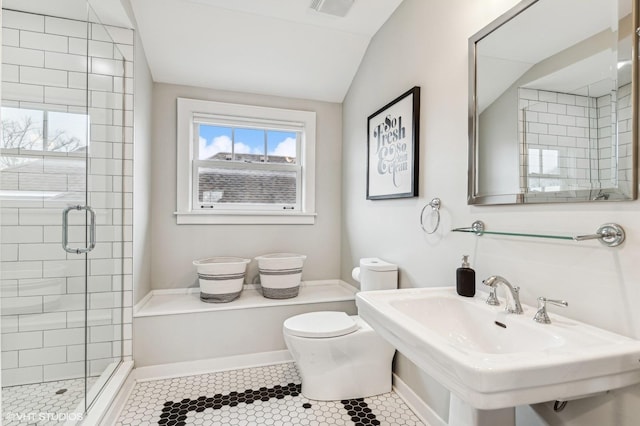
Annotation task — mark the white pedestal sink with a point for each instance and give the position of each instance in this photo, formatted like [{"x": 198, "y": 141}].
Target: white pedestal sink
[{"x": 492, "y": 361}]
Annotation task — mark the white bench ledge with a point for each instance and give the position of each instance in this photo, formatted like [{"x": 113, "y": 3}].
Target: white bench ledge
[{"x": 187, "y": 300}]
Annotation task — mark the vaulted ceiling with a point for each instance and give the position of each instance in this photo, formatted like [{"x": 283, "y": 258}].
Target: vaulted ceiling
[{"x": 273, "y": 47}]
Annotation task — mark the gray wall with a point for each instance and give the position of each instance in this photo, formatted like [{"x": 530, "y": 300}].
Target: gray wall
[
  {"x": 425, "y": 43},
  {"x": 174, "y": 247},
  {"x": 498, "y": 129}
]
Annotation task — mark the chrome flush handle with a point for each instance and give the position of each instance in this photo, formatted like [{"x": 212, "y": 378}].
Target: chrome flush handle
[{"x": 541, "y": 316}]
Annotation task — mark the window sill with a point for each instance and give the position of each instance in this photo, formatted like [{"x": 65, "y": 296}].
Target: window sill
[{"x": 244, "y": 218}]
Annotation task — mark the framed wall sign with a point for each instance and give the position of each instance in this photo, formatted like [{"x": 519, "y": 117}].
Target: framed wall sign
[{"x": 393, "y": 148}]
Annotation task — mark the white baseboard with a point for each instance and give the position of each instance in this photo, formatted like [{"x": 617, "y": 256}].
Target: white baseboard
[
  {"x": 419, "y": 407},
  {"x": 204, "y": 366}
]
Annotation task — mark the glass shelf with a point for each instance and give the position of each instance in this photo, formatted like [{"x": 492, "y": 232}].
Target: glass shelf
[
  {"x": 512, "y": 234},
  {"x": 608, "y": 234}
]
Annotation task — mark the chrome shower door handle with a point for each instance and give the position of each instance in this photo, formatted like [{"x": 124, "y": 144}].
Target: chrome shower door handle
[{"x": 65, "y": 230}]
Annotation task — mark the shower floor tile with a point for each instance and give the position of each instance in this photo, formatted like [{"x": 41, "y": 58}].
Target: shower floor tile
[
  {"x": 41, "y": 404},
  {"x": 253, "y": 396}
]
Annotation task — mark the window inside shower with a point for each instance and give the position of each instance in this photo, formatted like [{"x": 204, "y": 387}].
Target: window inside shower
[{"x": 67, "y": 97}]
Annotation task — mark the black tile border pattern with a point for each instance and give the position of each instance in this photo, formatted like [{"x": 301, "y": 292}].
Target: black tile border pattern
[{"x": 175, "y": 413}]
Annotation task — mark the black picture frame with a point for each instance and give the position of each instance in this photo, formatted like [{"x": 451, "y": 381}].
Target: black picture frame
[{"x": 393, "y": 148}]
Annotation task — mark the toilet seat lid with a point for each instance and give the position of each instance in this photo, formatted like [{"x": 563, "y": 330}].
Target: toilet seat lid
[{"x": 320, "y": 324}]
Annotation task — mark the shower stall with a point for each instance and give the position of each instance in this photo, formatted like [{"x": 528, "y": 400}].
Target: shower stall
[{"x": 66, "y": 211}]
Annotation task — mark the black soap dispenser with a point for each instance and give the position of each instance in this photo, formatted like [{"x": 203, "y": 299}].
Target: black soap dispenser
[{"x": 465, "y": 278}]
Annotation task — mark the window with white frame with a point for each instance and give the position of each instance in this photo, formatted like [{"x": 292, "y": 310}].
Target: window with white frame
[
  {"x": 543, "y": 170},
  {"x": 38, "y": 132},
  {"x": 244, "y": 164}
]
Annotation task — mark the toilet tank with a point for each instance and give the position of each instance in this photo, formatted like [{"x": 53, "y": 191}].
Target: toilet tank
[{"x": 376, "y": 274}]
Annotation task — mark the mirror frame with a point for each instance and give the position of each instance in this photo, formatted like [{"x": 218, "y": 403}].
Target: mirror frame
[{"x": 472, "y": 193}]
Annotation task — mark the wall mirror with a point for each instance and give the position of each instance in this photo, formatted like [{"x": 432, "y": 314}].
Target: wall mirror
[{"x": 553, "y": 104}]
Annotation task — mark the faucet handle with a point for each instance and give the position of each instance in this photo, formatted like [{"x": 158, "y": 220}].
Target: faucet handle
[{"x": 541, "y": 316}]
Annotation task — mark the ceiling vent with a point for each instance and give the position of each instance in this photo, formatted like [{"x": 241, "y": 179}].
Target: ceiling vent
[{"x": 332, "y": 7}]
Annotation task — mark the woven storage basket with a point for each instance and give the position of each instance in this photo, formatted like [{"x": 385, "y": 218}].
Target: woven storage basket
[
  {"x": 221, "y": 278},
  {"x": 280, "y": 274}
]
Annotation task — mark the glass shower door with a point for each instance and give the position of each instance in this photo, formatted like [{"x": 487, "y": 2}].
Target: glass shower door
[
  {"x": 107, "y": 98},
  {"x": 43, "y": 171},
  {"x": 63, "y": 214}
]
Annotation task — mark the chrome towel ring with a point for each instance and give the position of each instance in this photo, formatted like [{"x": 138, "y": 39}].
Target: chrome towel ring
[{"x": 435, "y": 209}]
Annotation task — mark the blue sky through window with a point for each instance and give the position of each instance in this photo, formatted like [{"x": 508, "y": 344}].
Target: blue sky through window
[
  {"x": 249, "y": 141},
  {"x": 211, "y": 132},
  {"x": 216, "y": 139},
  {"x": 281, "y": 143}
]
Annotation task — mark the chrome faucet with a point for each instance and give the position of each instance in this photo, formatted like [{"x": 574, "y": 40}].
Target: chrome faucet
[{"x": 513, "y": 293}]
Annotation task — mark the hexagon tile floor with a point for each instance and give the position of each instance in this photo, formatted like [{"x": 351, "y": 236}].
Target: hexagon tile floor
[{"x": 253, "y": 396}]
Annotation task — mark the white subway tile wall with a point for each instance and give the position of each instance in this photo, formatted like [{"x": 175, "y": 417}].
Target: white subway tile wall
[
  {"x": 566, "y": 142},
  {"x": 45, "y": 68}
]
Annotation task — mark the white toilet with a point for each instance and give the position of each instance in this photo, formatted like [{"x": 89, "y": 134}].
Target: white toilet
[{"x": 341, "y": 356}]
